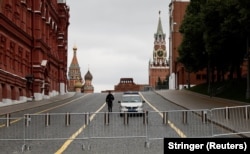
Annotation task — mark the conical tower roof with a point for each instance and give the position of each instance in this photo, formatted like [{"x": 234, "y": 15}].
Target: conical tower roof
[
  {"x": 159, "y": 27},
  {"x": 159, "y": 31},
  {"x": 74, "y": 68},
  {"x": 74, "y": 62}
]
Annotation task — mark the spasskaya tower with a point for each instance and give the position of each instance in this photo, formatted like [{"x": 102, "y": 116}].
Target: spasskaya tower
[{"x": 158, "y": 66}]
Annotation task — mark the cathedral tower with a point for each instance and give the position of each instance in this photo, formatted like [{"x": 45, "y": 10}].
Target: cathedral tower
[
  {"x": 158, "y": 67},
  {"x": 74, "y": 74},
  {"x": 87, "y": 87}
]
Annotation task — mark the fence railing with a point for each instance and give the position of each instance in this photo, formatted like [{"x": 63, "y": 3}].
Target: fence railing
[{"x": 149, "y": 128}]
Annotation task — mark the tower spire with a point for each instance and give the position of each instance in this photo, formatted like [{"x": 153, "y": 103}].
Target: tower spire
[
  {"x": 74, "y": 73},
  {"x": 158, "y": 69},
  {"x": 159, "y": 27},
  {"x": 74, "y": 62}
]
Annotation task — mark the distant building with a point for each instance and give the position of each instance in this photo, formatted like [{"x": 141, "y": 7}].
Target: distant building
[
  {"x": 33, "y": 49},
  {"x": 127, "y": 84},
  {"x": 179, "y": 77},
  {"x": 158, "y": 67},
  {"x": 74, "y": 73},
  {"x": 78, "y": 86},
  {"x": 75, "y": 80},
  {"x": 88, "y": 87}
]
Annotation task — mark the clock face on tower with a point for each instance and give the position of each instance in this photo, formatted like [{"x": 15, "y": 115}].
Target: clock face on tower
[{"x": 160, "y": 53}]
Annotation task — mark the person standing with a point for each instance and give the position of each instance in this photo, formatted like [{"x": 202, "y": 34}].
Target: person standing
[{"x": 109, "y": 100}]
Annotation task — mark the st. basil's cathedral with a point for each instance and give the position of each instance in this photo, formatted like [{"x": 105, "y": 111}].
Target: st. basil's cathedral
[{"x": 75, "y": 81}]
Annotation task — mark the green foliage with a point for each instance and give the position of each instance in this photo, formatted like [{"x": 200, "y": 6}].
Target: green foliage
[
  {"x": 192, "y": 49},
  {"x": 231, "y": 89},
  {"x": 162, "y": 84},
  {"x": 215, "y": 34}
]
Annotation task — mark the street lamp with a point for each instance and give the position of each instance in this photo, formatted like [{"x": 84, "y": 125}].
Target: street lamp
[{"x": 30, "y": 79}]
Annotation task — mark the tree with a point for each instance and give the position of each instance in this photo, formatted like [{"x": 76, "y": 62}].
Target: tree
[
  {"x": 214, "y": 36},
  {"x": 162, "y": 84},
  {"x": 191, "y": 50}
]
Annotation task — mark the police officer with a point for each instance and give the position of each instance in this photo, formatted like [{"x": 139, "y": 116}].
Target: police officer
[{"x": 109, "y": 100}]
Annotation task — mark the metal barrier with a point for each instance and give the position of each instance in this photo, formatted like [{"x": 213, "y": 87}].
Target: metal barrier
[
  {"x": 146, "y": 131},
  {"x": 179, "y": 123},
  {"x": 108, "y": 131},
  {"x": 11, "y": 128},
  {"x": 132, "y": 126},
  {"x": 53, "y": 126},
  {"x": 232, "y": 120}
]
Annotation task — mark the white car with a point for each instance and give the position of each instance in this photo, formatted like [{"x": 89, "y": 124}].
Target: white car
[{"x": 131, "y": 102}]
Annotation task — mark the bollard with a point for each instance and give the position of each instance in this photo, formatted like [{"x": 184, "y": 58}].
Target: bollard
[
  {"x": 165, "y": 118},
  {"x": 246, "y": 113},
  {"x": 125, "y": 118},
  {"x": 47, "y": 119},
  {"x": 204, "y": 116},
  {"x": 227, "y": 113},
  {"x": 184, "y": 114},
  {"x": 67, "y": 119},
  {"x": 145, "y": 117},
  {"x": 87, "y": 119},
  {"x": 147, "y": 144},
  {"x": 27, "y": 119},
  {"x": 7, "y": 119},
  {"x": 106, "y": 118}
]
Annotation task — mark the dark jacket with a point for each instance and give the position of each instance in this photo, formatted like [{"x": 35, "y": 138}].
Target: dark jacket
[{"x": 109, "y": 99}]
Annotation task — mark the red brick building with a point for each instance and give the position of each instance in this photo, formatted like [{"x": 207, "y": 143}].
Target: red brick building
[
  {"x": 178, "y": 76},
  {"x": 33, "y": 49},
  {"x": 158, "y": 67},
  {"x": 127, "y": 84}
]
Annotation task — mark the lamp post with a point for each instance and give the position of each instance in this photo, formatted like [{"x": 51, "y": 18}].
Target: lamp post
[{"x": 30, "y": 79}]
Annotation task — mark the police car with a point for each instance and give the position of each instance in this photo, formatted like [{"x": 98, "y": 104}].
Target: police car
[{"x": 131, "y": 102}]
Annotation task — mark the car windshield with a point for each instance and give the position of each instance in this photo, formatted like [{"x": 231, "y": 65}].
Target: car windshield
[{"x": 131, "y": 99}]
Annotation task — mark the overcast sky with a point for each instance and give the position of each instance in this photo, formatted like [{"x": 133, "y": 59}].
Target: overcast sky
[{"x": 115, "y": 38}]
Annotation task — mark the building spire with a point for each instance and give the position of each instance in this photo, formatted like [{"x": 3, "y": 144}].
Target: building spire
[
  {"x": 159, "y": 28},
  {"x": 74, "y": 68},
  {"x": 74, "y": 62}
]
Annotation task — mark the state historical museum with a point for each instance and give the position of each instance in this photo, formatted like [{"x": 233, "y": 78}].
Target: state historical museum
[{"x": 33, "y": 49}]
